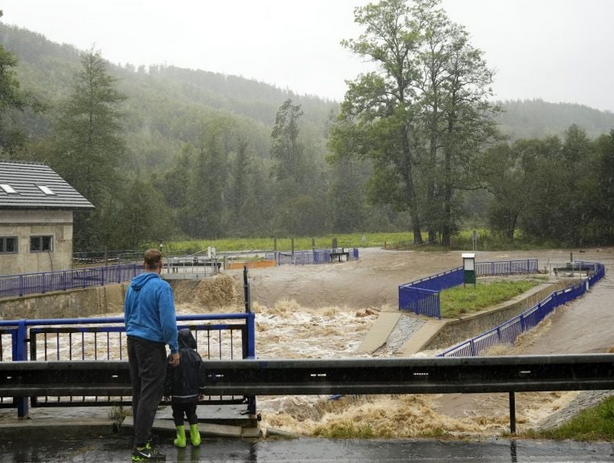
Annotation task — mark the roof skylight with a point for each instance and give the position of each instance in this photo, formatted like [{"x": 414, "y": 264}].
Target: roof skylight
[
  {"x": 45, "y": 189},
  {"x": 7, "y": 188}
]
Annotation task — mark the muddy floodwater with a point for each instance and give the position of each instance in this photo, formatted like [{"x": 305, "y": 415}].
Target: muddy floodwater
[{"x": 324, "y": 311}]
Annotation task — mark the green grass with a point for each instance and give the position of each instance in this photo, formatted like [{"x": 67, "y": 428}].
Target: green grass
[
  {"x": 591, "y": 424},
  {"x": 462, "y": 300},
  {"x": 350, "y": 240},
  {"x": 391, "y": 240}
]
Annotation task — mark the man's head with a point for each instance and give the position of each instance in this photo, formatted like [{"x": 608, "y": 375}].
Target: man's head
[{"x": 152, "y": 260}]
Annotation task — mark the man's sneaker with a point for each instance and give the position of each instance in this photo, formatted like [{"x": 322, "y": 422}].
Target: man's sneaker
[{"x": 147, "y": 454}]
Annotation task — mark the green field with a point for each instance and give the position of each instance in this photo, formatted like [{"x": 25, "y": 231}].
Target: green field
[
  {"x": 353, "y": 240},
  {"x": 390, "y": 240}
]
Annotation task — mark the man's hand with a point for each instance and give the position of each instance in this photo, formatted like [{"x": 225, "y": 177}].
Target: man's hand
[{"x": 174, "y": 361}]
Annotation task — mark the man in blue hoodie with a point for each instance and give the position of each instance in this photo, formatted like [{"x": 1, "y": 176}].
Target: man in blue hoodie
[{"x": 149, "y": 314}]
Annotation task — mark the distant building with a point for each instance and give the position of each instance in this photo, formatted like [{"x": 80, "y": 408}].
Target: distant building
[{"x": 36, "y": 218}]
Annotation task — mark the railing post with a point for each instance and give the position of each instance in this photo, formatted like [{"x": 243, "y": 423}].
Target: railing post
[
  {"x": 20, "y": 354},
  {"x": 43, "y": 282},
  {"x": 246, "y": 291},
  {"x": 512, "y": 413},
  {"x": 102, "y": 275},
  {"x": 20, "y": 285},
  {"x": 251, "y": 354},
  {"x": 64, "y": 280}
]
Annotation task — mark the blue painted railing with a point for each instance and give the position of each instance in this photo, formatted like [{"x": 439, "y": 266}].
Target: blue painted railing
[
  {"x": 62, "y": 280},
  {"x": 422, "y": 296},
  {"x": 530, "y": 318},
  {"x": 310, "y": 257},
  {"x": 231, "y": 337}
]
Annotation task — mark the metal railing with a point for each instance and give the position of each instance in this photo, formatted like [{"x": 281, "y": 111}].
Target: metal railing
[
  {"x": 422, "y": 296},
  {"x": 340, "y": 376},
  {"x": 106, "y": 257},
  {"x": 313, "y": 256},
  {"x": 530, "y": 318},
  {"x": 63, "y": 280},
  {"x": 218, "y": 337}
]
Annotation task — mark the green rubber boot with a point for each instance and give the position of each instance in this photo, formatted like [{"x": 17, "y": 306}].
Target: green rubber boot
[
  {"x": 180, "y": 441},
  {"x": 194, "y": 435}
]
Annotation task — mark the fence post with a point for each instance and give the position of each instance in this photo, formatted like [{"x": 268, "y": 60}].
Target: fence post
[
  {"x": 43, "y": 282},
  {"x": 246, "y": 292},
  {"x": 251, "y": 354},
  {"x": 472, "y": 348},
  {"x": 20, "y": 354},
  {"x": 20, "y": 285},
  {"x": 102, "y": 275}
]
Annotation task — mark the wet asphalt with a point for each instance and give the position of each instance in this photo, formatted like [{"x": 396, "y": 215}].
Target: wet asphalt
[{"x": 118, "y": 449}]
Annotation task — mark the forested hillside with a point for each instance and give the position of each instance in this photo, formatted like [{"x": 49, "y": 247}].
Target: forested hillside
[{"x": 190, "y": 153}]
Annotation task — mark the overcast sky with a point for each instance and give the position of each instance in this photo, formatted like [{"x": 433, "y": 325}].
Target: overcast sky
[{"x": 556, "y": 50}]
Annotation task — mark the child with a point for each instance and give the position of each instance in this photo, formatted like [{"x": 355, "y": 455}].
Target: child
[{"x": 182, "y": 383}]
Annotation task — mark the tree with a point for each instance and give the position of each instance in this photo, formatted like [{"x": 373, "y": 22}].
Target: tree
[
  {"x": 381, "y": 104},
  {"x": 501, "y": 169},
  {"x": 287, "y": 151},
  {"x": 89, "y": 147},
  {"x": 143, "y": 216},
  {"x": 205, "y": 195},
  {"x": 12, "y": 98},
  {"x": 422, "y": 115}
]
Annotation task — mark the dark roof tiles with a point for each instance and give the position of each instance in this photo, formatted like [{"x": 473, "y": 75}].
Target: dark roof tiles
[{"x": 26, "y": 177}]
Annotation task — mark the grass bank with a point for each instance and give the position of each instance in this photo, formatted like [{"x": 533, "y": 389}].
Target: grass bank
[
  {"x": 462, "y": 300},
  {"x": 591, "y": 424}
]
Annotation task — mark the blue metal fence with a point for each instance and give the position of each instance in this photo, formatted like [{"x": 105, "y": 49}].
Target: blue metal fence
[
  {"x": 508, "y": 332},
  {"x": 422, "y": 296},
  {"x": 218, "y": 336},
  {"x": 311, "y": 257},
  {"x": 62, "y": 280}
]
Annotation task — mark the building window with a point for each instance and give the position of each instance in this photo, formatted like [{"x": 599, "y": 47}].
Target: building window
[
  {"x": 41, "y": 243},
  {"x": 8, "y": 245}
]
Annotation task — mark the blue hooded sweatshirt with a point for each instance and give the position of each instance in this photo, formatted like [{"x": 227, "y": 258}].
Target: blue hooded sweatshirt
[{"x": 149, "y": 310}]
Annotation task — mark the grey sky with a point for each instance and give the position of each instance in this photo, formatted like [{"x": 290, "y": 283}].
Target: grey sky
[{"x": 557, "y": 50}]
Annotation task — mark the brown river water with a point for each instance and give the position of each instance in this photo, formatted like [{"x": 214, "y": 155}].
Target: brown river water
[{"x": 325, "y": 311}]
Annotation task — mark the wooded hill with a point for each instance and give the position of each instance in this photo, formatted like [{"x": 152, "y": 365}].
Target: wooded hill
[
  {"x": 166, "y": 104},
  {"x": 205, "y": 155}
]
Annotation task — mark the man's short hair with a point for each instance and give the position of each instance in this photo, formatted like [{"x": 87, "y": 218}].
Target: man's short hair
[{"x": 152, "y": 259}]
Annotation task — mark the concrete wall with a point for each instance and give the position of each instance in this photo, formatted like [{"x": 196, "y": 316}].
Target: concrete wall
[
  {"x": 208, "y": 293},
  {"x": 98, "y": 300},
  {"x": 24, "y": 224},
  {"x": 456, "y": 331}
]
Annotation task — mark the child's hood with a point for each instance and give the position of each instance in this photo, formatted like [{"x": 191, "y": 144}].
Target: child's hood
[{"x": 186, "y": 339}]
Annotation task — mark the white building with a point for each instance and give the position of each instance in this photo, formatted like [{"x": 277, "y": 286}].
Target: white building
[{"x": 36, "y": 218}]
